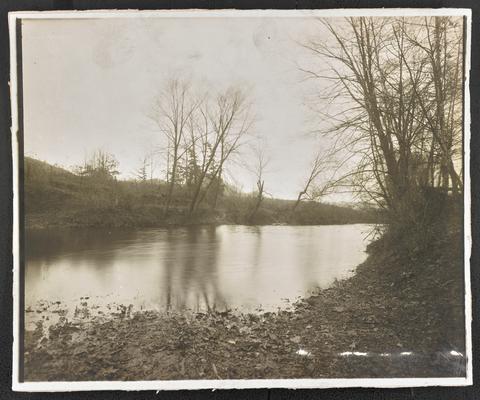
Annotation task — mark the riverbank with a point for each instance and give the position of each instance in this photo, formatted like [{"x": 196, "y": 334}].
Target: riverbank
[
  {"x": 400, "y": 315},
  {"x": 232, "y": 211},
  {"x": 58, "y": 198},
  {"x": 108, "y": 218}
]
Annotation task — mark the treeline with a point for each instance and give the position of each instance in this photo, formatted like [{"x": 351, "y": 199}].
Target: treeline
[{"x": 94, "y": 197}]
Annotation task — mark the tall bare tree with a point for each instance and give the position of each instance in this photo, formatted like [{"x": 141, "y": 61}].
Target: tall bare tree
[
  {"x": 442, "y": 46},
  {"x": 224, "y": 124},
  {"x": 173, "y": 109},
  {"x": 391, "y": 75},
  {"x": 261, "y": 164}
]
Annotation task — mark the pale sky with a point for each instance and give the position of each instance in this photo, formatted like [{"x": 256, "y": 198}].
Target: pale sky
[{"x": 90, "y": 84}]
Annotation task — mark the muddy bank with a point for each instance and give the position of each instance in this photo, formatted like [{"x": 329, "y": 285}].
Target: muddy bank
[
  {"x": 401, "y": 315},
  {"x": 154, "y": 218}
]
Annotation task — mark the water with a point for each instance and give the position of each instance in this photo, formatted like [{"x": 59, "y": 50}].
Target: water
[{"x": 197, "y": 268}]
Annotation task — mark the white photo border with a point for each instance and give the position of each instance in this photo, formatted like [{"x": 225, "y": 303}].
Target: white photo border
[{"x": 17, "y": 385}]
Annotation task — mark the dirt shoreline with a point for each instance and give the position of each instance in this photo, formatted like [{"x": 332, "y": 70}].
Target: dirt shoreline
[
  {"x": 39, "y": 223},
  {"x": 398, "y": 316}
]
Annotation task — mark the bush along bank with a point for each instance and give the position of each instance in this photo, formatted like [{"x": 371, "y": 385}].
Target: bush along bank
[{"x": 400, "y": 315}]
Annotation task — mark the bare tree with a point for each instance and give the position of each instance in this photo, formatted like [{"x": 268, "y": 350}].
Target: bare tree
[
  {"x": 224, "y": 125},
  {"x": 172, "y": 111},
  {"x": 387, "y": 84},
  {"x": 442, "y": 105},
  {"x": 311, "y": 190},
  {"x": 261, "y": 164}
]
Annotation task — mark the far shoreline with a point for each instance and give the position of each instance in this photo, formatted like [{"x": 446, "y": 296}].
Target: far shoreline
[
  {"x": 188, "y": 225},
  {"x": 58, "y": 198}
]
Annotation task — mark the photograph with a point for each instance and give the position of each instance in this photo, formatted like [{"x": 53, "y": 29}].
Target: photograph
[{"x": 241, "y": 199}]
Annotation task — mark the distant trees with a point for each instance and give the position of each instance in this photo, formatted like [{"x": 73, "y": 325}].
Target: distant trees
[
  {"x": 146, "y": 169},
  {"x": 141, "y": 172},
  {"x": 202, "y": 133},
  {"x": 101, "y": 166},
  {"x": 56, "y": 194},
  {"x": 395, "y": 89}
]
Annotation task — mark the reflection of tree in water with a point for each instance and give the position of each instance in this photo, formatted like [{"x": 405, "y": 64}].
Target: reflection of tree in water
[
  {"x": 168, "y": 267},
  {"x": 191, "y": 270},
  {"x": 309, "y": 259},
  {"x": 257, "y": 249},
  {"x": 187, "y": 268},
  {"x": 207, "y": 271}
]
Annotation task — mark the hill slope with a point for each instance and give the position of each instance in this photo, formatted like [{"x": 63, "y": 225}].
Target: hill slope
[{"x": 57, "y": 197}]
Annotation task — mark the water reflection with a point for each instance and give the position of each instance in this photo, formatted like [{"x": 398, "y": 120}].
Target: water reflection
[
  {"x": 198, "y": 268},
  {"x": 191, "y": 270}
]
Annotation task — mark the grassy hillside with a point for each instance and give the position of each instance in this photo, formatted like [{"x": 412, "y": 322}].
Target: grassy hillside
[{"x": 57, "y": 197}]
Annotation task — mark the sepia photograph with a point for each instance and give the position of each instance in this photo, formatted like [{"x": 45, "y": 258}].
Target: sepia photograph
[{"x": 228, "y": 199}]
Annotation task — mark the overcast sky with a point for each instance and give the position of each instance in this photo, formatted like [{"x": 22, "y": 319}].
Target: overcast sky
[{"x": 90, "y": 84}]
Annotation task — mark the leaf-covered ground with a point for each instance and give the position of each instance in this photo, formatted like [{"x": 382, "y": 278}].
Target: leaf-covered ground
[{"x": 401, "y": 315}]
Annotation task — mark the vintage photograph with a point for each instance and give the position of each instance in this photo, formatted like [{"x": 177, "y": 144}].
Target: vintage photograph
[{"x": 214, "y": 196}]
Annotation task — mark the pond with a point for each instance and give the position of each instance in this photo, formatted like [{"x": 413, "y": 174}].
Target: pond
[{"x": 245, "y": 268}]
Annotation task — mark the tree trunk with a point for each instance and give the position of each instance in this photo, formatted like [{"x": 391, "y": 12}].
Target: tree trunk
[
  {"x": 259, "y": 200},
  {"x": 171, "y": 185},
  {"x": 217, "y": 188},
  {"x": 299, "y": 199}
]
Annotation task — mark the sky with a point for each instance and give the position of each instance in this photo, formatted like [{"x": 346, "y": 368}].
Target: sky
[{"x": 91, "y": 83}]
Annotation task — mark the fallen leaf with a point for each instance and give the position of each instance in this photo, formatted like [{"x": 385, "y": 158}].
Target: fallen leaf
[{"x": 296, "y": 339}]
